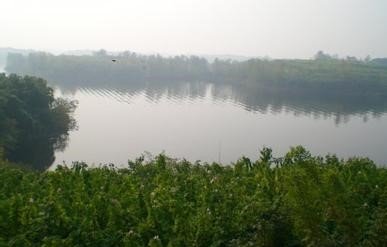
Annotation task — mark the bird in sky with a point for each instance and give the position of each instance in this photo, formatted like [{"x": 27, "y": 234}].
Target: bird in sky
[{"x": 114, "y": 60}]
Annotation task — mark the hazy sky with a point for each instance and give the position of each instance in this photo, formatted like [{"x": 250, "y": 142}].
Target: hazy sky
[{"x": 277, "y": 28}]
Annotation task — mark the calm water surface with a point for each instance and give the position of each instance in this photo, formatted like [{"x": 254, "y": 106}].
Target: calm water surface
[{"x": 208, "y": 123}]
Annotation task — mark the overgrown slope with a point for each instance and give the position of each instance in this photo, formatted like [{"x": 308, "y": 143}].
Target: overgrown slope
[{"x": 299, "y": 200}]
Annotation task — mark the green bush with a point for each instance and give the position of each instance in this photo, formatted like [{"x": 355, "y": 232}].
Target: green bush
[
  {"x": 299, "y": 200},
  {"x": 33, "y": 123}
]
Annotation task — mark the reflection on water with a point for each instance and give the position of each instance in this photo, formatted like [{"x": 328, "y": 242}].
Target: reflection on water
[
  {"x": 211, "y": 122},
  {"x": 201, "y": 121},
  {"x": 38, "y": 153},
  {"x": 339, "y": 108}
]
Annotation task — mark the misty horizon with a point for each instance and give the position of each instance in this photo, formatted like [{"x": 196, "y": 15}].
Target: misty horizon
[
  {"x": 277, "y": 29},
  {"x": 208, "y": 56}
]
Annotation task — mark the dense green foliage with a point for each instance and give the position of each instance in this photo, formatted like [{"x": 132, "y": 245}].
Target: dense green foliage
[
  {"x": 32, "y": 122},
  {"x": 321, "y": 75},
  {"x": 299, "y": 200}
]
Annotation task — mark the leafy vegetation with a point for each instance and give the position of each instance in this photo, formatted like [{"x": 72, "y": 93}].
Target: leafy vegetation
[
  {"x": 297, "y": 200},
  {"x": 323, "y": 75},
  {"x": 32, "y": 122}
]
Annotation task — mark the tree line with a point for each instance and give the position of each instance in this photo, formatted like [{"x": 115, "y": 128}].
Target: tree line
[{"x": 323, "y": 74}]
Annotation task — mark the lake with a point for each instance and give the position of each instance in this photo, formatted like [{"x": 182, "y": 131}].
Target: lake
[{"x": 207, "y": 122}]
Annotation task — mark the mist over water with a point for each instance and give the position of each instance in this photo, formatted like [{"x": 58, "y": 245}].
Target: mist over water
[
  {"x": 215, "y": 122},
  {"x": 202, "y": 121}
]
